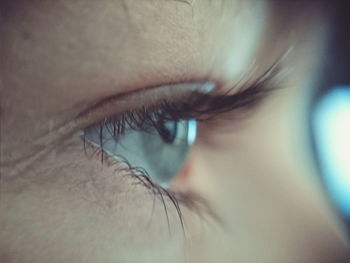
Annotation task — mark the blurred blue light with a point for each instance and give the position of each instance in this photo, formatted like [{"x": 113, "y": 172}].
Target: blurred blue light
[{"x": 332, "y": 137}]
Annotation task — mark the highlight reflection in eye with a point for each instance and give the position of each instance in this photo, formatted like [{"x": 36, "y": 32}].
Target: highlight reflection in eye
[{"x": 160, "y": 150}]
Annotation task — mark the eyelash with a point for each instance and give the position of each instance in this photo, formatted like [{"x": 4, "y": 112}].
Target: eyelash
[{"x": 196, "y": 105}]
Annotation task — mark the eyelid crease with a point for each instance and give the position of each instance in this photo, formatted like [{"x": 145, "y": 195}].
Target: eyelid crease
[
  {"x": 157, "y": 94},
  {"x": 187, "y": 103},
  {"x": 136, "y": 99}
]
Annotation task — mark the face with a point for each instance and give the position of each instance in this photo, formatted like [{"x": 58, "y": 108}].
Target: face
[{"x": 245, "y": 191}]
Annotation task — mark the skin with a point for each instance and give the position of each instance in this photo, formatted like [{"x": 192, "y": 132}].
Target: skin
[{"x": 256, "y": 172}]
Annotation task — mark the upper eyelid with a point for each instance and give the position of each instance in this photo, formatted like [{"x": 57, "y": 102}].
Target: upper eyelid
[
  {"x": 112, "y": 106},
  {"x": 121, "y": 103}
]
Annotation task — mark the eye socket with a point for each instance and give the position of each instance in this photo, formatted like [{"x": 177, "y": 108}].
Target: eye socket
[{"x": 160, "y": 150}]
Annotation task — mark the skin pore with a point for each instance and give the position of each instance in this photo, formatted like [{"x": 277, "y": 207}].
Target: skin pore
[{"x": 59, "y": 58}]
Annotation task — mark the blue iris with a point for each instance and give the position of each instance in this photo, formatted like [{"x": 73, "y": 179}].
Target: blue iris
[{"x": 160, "y": 150}]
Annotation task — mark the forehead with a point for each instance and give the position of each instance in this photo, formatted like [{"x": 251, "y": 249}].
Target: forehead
[{"x": 159, "y": 41}]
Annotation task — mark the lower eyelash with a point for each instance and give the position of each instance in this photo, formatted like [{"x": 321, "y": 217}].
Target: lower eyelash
[
  {"x": 142, "y": 178},
  {"x": 194, "y": 203}
]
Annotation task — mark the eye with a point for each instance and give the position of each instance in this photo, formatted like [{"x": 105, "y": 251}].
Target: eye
[
  {"x": 160, "y": 149},
  {"x": 157, "y": 138}
]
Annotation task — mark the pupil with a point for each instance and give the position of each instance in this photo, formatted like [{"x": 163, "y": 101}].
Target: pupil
[{"x": 168, "y": 131}]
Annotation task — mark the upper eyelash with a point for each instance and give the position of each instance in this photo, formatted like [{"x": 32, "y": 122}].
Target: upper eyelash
[{"x": 196, "y": 105}]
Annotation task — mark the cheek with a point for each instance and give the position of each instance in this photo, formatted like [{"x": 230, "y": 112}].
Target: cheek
[
  {"x": 84, "y": 212},
  {"x": 261, "y": 183}
]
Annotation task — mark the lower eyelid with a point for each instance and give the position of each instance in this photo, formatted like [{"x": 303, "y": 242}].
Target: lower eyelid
[
  {"x": 120, "y": 193},
  {"x": 105, "y": 185},
  {"x": 169, "y": 200},
  {"x": 122, "y": 168}
]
